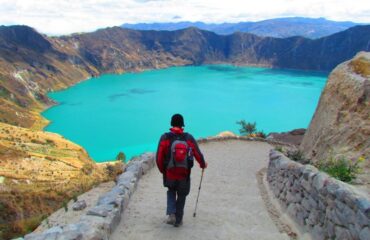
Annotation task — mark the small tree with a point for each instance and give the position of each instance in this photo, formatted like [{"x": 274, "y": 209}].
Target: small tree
[
  {"x": 247, "y": 128},
  {"x": 121, "y": 157}
]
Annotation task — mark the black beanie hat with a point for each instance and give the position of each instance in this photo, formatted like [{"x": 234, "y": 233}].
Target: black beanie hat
[{"x": 177, "y": 120}]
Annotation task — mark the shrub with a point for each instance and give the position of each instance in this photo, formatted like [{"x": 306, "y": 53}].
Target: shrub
[
  {"x": 121, "y": 157},
  {"x": 50, "y": 142},
  {"x": 75, "y": 197},
  {"x": 260, "y": 134},
  {"x": 297, "y": 155},
  {"x": 87, "y": 169},
  {"x": 247, "y": 128},
  {"x": 110, "y": 169},
  {"x": 65, "y": 205},
  {"x": 279, "y": 148},
  {"x": 341, "y": 168}
]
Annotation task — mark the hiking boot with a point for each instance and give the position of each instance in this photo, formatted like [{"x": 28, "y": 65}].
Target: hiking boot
[
  {"x": 171, "y": 219},
  {"x": 177, "y": 224}
]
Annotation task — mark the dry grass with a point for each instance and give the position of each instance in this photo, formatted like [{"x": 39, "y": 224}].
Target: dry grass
[
  {"x": 361, "y": 66},
  {"x": 42, "y": 170}
]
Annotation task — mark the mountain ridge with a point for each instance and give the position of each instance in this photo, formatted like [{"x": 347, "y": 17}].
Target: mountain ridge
[
  {"x": 277, "y": 27},
  {"x": 29, "y": 69}
]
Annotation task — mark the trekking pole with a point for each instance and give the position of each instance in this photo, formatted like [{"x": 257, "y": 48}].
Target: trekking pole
[{"x": 200, "y": 185}]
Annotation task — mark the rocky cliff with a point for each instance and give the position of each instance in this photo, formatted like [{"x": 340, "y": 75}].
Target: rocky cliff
[{"x": 340, "y": 125}]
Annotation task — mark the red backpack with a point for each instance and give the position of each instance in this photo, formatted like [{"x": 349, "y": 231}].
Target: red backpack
[{"x": 180, "y": 153}]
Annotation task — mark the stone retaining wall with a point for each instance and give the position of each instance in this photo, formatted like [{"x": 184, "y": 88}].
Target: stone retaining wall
[
  {"x": 101, "y": 220},
  {"x": 321, "y": 205}
]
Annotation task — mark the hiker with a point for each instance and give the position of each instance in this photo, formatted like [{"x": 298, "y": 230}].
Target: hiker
[{"x": 175, "y": 153}]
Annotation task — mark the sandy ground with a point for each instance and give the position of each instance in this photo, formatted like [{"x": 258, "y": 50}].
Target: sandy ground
[
  {"x": 230, "y": 205},
  {"x": 61, "y": 217}
]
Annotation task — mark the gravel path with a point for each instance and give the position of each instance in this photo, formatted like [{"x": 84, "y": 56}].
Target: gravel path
[{"x": 230, "y": 205}]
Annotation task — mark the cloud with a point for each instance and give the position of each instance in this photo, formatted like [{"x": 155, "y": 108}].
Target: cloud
[{"x": 68, "y": 16}]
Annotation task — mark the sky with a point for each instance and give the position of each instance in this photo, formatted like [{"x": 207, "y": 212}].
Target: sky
[{"x": 59, "y": 17}]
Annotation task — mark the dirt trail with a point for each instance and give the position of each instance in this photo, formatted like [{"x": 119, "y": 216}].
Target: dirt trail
[{"x": 230, "y": 204}]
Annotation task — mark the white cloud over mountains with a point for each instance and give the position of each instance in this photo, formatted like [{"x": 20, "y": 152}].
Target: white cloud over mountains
[{"x": 68, "y": 16}]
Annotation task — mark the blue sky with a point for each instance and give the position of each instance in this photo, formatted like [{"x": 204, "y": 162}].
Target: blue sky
[{"x": 56, "y": 17}]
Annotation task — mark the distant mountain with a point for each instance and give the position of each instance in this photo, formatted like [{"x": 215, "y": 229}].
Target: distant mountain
[
  {"x": 32, "y": 64},
  {"x": 279, "y": 27}
]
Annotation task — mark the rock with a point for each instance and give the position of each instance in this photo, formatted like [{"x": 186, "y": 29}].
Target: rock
[
  {"x": 105, "y": 225},
  {"x": 342, "y": 233},
  {"x": 353, "y": 231},
  {"x": 101, "y": 210},
  {"x": 364, "y": 205},
  {"x": 340, "y": 124},
  {"x": 293, "y": 137},
  {"x": 330, "y": 229},
  {"x": 306, "y": 185},
  {"x": 362, "y": 220},
  {"x": 51, "y": 233},
  {"x": 226, "y": 134},
  {"x": 318, "y": 233},
  {"x": 135, "y": 168},
  {"x": 113, "y": 219},
  {"x": 313, "y": 217},
  {"x": 79, "y": 205},
  {"x": 114, "y": 196},
  {"x": 365, "y": 234},
  {"x": 319, "y": 181},
  {"x": 93, "y": 227}
]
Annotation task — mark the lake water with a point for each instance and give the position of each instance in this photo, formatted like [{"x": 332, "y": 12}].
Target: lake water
[{"x": 129, "y": 112}]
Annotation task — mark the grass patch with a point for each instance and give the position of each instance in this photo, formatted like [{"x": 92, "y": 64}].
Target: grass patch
[
  {"x": 341, "y": 168},
  {"x": 297, "y": 155},
  {"x": 361, "y": 66}
]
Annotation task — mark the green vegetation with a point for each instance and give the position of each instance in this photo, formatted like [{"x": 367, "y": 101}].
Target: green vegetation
[
  {"x": 279, "y": 148},
  {"x": 297, "y": 155},
  {"x": 249, "y": 129},
  {"x": 341, "y": 168},
  {"x": 121, "y": 157},
  {"x": 65, "y": 205},
  {"x": 75, "y": 197},
  {"x": 50, "y": 142}
]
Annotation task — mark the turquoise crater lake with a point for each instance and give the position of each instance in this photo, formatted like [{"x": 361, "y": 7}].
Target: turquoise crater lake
[{"x": 129, "y": 112}]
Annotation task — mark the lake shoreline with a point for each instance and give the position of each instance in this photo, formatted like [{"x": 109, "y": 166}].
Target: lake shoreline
[{"x": 146, "y": 83}]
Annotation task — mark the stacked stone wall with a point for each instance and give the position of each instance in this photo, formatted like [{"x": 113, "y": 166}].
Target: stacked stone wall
[
  {"x": 100, "y": 221},
  {"x": 321, "y": 205}
]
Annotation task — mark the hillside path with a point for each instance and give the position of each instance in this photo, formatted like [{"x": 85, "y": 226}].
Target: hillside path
[{"x": 230, "y": 205}]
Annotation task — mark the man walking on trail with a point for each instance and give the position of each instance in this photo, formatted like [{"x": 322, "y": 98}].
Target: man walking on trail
[{"x": 175, "y": 153}]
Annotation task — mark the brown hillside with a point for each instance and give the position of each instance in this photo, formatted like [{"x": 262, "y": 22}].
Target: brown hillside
[{"x": 40, "y": 171}]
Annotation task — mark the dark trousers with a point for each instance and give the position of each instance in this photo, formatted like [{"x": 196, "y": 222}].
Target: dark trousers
[{"x": 176, "y": 197}]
